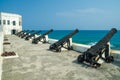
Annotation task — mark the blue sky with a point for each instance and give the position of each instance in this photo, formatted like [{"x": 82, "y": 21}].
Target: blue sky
[{"x": 65, "y": 14}]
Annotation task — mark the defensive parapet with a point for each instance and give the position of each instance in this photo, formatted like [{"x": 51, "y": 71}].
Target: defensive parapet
[
  {"x": 98, "y": 51},
  {"x": 65, "y": 40},
  {"x": 43, "y": 37},
  {"x": 32, "y": 35}
]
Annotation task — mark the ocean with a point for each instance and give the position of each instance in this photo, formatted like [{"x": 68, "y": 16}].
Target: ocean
[{"x": 88, "y": 37}]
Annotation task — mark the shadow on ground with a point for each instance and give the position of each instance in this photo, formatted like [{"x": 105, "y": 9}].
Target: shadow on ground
[{"x": 85, "y": 65}]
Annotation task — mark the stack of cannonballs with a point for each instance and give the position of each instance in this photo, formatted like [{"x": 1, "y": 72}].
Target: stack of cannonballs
[{"x": 8, "y": 54}]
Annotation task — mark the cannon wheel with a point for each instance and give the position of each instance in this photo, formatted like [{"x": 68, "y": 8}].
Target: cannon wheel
[
  {"x": 80, "y": 58},
  {"x": 94, "y": 63},
  {"x": 109, "y": 59},
  {"x": 58, "y": 50}
]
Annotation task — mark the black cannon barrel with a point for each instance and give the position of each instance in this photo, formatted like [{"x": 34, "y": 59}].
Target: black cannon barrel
[
  {"x": 29, "y": 36},
  {"x": 48, "y": 32},
  {"x": 57, "y": 45},
  {"x": 107, "y": 38},
  {"x": 102, "y": 43},
  {"x": 41, "y": 36},
  {"x": 18, "y": 32},
  {"x": 65, "y": 38},
  {"x": 27, "y": 33},
  {"x": 23, "y": 32}
]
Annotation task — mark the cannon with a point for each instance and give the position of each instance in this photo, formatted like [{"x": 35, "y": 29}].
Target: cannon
[
  {"x": 27, "y": 33},
  {"x": 18, "y": 32},
  {"x": 32, "y": 35},
  {"x": 99, "y": 51},
  {"x": 42, "y": 37},
  {"x": 22, "y": 33},
  {"x": 65, "y": 40}
]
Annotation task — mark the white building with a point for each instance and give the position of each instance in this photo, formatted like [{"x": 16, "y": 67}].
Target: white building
[{"x": 10, "y": 23}]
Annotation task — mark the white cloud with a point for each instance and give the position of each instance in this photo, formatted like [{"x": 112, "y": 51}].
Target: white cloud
[
  {"x": 80, "y": 12},
  {"x": 90, "y": 11},
  {"x": 65, "y": 14}
]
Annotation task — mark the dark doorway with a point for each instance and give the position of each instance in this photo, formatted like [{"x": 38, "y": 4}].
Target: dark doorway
[{"x": 13, "y": 31}]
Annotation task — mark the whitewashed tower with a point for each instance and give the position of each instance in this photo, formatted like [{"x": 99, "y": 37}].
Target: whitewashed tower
[{"x": 10, "y": 23}]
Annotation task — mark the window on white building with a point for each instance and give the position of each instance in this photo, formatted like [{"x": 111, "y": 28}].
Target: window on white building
[
  {"x": 8, "y": 22},
  {"x": 0, "y": 22},
  {"x": 20, "y": 23},
  {"x": 4, "y": 22},
  {"x": 14, "y": 23}
]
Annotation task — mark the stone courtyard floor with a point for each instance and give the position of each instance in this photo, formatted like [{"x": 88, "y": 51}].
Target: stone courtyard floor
[{"x": 37, "y": 62}]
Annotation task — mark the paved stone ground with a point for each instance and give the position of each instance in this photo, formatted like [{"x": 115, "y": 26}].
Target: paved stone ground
[{"x": 36, "y": 62}]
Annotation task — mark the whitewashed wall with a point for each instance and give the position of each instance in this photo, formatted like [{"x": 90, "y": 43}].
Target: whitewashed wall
[
  {"x": 11, "y": 17},
  {"x": 1, "y": 41}
]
